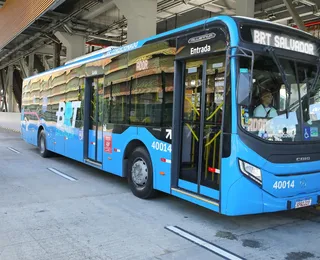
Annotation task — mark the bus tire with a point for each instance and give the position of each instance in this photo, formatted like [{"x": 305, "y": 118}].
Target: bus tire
[
  {"x": 43, "y": 145},
  {"x": 140, "y": 174}
]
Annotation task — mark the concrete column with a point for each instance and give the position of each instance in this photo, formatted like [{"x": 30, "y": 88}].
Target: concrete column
[
  {"x": 245, "y": 8},
  {"x": 75, "y": 44},
  {"x": 10, "y": 95},
  {"x": 24, "y": 68},
  {"x": 56, "y": 55},
  {"x": 31, "y": 64},
  {"x": 3, "y": 101},
  {"x": 4, "y": 105},
  {"x": 141, "y": 16}
]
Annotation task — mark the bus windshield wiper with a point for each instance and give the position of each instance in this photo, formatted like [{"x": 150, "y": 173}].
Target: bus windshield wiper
[{"x": 283, "y": 75}]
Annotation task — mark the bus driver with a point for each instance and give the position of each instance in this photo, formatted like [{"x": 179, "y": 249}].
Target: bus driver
[{"x": 265, "y": 109}]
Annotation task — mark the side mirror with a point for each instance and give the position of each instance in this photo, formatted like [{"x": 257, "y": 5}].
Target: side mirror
[{"x": 244, "y": 87}]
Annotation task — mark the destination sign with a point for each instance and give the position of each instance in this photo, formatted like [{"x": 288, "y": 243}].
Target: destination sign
[{"x": 283, "y": 42}]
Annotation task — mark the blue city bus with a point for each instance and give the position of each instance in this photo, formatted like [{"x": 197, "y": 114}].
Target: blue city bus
[{"x": 223, "y": 113}]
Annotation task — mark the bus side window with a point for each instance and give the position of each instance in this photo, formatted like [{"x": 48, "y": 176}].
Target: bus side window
[
  {"x": 120, "y": 103},
  {"x": 146, "y": 107},
  {"x": 117, "y": 72},
  {"x": 80, "y": 111},
  {"x": 147, "y": 67}
]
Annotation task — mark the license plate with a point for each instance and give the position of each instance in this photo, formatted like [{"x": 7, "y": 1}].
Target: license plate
[{"x": 303, "y": 203}]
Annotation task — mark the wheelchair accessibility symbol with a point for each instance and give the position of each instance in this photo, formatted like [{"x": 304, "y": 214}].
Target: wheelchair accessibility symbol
[{"x": 306, "y": 133}]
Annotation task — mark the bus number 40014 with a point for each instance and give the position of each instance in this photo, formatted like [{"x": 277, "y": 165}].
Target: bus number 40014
[
  {"x": 283, "y": 184},
  {"x": 163, "y": 147}
]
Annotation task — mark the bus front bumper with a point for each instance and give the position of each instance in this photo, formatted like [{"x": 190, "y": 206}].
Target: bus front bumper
[
  {"x": 271, "y": 204},
  {"x": 245, "y": 197}
]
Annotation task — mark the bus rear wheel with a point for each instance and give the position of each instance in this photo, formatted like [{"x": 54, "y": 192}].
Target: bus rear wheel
[
  {"x": 43, "y": 145},
  {"x": 140, "y": 174}
]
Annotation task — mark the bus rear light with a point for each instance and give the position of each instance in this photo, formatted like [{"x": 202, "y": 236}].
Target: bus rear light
[
  {"x": 162, "y": 173},
  {"x": 251, "y": 171}
]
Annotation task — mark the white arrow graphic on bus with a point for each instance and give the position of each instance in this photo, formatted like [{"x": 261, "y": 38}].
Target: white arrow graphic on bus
[{"x": 169, "y": 134}]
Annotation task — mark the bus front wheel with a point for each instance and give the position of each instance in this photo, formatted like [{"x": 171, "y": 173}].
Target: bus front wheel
[
  {"x": 43, "y": 145},
  {"x": 140, "y": 174}
]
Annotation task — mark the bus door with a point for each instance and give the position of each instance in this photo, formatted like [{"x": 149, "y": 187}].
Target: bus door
[
  {"x": 200, "y": 127},
  {"x": 94, "y": 139}
]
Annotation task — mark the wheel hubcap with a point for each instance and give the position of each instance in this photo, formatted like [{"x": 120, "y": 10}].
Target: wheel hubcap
[
  {"x": 42, "y": 146},
  {"x": 139, "y": 172}
]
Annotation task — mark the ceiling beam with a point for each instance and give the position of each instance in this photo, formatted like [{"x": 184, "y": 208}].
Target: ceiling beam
[{"x": 295, "y": 16}]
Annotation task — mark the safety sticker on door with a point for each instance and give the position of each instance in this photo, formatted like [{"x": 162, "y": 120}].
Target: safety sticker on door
[{"x": 108, "y": 143}]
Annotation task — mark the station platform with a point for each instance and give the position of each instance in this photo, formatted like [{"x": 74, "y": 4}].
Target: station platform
[{"x": 10, "y": 121}]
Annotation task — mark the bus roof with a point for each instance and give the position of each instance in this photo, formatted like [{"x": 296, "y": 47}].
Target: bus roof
[{"x": 244, "y": 18}]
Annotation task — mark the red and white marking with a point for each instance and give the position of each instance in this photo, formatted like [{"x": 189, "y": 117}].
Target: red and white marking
[
  {"x": 165, "y": 160},
  {"x": 213, "y": 170}
]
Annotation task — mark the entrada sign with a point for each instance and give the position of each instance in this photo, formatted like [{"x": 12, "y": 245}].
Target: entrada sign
[
  {"x": 202, "y": 42},
  {"x": 282, "y": 41},
  {"x": 200, "y": 50}
]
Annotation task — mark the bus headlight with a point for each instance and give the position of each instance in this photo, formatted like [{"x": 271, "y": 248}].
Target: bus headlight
[{"x": 251, "y": 171}]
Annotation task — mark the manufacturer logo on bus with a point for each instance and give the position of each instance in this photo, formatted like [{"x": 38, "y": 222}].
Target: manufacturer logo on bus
[
  {"x": 202, "y": 38},
  {"x": 302, "y": 159},
  {"x": 303, "y": 183}
]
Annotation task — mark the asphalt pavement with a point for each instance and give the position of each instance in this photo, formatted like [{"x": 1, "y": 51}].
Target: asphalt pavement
[{"x": 60, "y": 209}]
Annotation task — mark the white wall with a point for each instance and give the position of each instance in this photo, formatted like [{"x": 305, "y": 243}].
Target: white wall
[{"x": 10, "y": 121}]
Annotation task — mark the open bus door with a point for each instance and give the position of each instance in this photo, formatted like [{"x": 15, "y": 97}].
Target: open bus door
[
  {"x": 198, "y": 103},
  {"x": 200, "y": 127}
]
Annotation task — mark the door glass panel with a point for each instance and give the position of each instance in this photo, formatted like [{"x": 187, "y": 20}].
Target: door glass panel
[
  {"x": 92, "y": 122},
  {"x": 99, "y": 105},
  {"x": 204, "y": 124},
  {"x": 96, "y": 120},
  {"x": 212, "y": 122},
  {"x": 99, "y": 120},
  {"x": 93, "y": 105},
  {"x": 191, "y": 121}
]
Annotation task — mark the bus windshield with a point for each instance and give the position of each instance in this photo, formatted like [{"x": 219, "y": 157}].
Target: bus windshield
[{"x": 282, "y": 111}]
